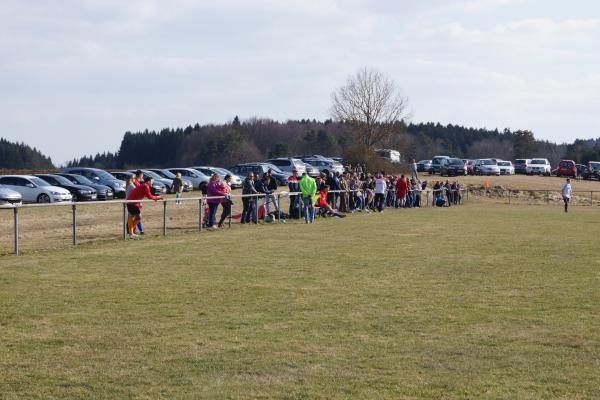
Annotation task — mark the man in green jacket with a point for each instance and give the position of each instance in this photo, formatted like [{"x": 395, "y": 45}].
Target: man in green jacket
[{"x": 308, "y": 187}]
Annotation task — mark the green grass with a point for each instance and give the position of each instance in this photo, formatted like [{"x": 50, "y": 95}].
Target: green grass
[{"x": 479, "y": 301}]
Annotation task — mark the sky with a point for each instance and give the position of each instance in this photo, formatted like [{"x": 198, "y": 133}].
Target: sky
[{"x": 75, "y": 75}]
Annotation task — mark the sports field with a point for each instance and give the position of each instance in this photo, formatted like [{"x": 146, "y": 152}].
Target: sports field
[{"x": 478, "y": 301}]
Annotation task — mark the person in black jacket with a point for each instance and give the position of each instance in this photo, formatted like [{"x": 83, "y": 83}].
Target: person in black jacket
[
  {"x": 248, "y": 202},
  {"x": 294, "y": 187}
]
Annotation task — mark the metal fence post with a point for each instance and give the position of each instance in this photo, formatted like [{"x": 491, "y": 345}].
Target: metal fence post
[
  {"x": 591, "y": 198},
  {"x": 278, "y": 208},
  {"x": 547, "y": 196},
  {"x": 124, "y": 220},
  {"x": 74, "y": 225},
  {"x": 16, "y": 230},
  {"x": 165, "y": 217},
  {"x": 201, "y": 216},
  {"x": 230, "y": 212},
  {"x": 509, "y": 192},
  {"x": 256, "y": 201}
]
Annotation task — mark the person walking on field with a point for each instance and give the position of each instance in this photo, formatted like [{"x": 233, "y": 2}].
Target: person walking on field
[
  {"x": 308, "y": 187},
  {"x": 138, "y": 193},
  {"x": 566, "y": 193}
]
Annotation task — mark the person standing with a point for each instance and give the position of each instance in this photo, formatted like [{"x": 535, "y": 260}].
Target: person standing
[
  {"x": 380, "y": 192},
  {"x": 249, "y": 200},
  {"x": 178, "y": 188},
  {"x": 135, "y": 209},
  {"x": 414, "y": 174},
  {"x": 215, "y": 196},
  {"x": 308, "y": 187},
  {"x": 294, "y": 187},
  {"x": 226, "y": 203},
  {"x": 401, "y": 191},
  {"x": 566, "y": 193}
]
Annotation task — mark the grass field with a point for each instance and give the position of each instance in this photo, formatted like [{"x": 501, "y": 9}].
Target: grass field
[{"x": 478, "y": 301}]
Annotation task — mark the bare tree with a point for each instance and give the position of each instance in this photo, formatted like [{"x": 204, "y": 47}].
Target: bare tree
[{"x": 372, "y": 104}]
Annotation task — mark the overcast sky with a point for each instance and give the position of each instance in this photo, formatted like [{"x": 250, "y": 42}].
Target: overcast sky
[{"x": 75, "y": 75}]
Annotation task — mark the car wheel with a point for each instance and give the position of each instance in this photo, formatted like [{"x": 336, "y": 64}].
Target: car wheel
[{"x": 43, "y": 198}]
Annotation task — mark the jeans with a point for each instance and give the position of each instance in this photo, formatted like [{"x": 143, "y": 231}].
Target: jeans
[
  {"x": 177, "y": 197},
  {"x": 380, "y": 201},
  {"x": 248, "y": 210},
  {"x": 226, "y": 212},
  {"x": 309, "y": 210},
  {"x": 271, "y": 198},
  {"x": 212, "y": 213}
]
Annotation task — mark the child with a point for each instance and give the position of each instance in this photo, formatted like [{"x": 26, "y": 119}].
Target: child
[{"x": 178, "y": 188}]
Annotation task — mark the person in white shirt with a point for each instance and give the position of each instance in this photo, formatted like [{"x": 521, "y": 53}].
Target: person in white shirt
[
  {"x": 566, "y": 193},
  {"x": 380, "y": 191}
]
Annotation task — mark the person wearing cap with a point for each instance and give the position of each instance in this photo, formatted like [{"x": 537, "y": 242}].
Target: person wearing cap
[
  {"x": 294, "y": 187},
  {"x": 308, "y": 187}
]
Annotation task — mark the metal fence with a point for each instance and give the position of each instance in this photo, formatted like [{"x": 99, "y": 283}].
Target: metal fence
[
  {"x": 536, "y": 196},
  {"x": 50, "y": 229}
]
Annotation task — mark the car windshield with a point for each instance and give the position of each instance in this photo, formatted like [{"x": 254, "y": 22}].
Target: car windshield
[
  {"x": 152, "y": 174},
  {"x": 520, "y": 161},
  {"x": 424, "y": 162},
  {"x": 274, "y": 168},
  {"x": 566, "y": 164},
  {"x": 455, "y": 162},
  {"x": 488, "y": 162},
  {"x": 504, "y": 163},
  {"x": 39, "y": 182},
  {"x": 595, "y": 166},
  {"x": 80, "y": 179},
  {"x": 61, "y": 179},
  {"x": 104, "y": 174},
  {"x": 538, "y": 162},
  {"x": 166, "y": 174}
]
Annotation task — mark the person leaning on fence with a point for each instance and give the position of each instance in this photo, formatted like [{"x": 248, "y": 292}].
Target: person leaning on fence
[
  {"x": 215, "y": 195},
  {"x": 227, "y": 202},
  {"x": 308, "y": 187},
  {"x": 178, "y": 188},
  {"x": 566, "y": 193},
  {"x": 249, "y": 202},
  {"x": 135, "y": 209}
]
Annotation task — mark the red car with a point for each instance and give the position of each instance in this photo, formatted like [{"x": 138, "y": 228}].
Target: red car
[{"x": 566, "y": 168}]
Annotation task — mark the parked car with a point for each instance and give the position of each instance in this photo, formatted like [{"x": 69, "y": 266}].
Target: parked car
[
  {"x": 34, "y": 189},
  {"x": 78, "y": 192},
  {"x": 197, "y": 178},
  {"x": 521, "y": 164},
  {"x": 236, "y": 181},
  {"x": 453, "y": 167},
  {"x": 102, "y": 192},
  {"x": 437, "y": 163},
  {"x": 259, "y": 169},
  {"x": 423, "y": 166},
  {"x": 166, "y": 182},
  {"x": 311, "y": 171},
  {"x": 580, "y": 170},
  {"x": 287, "y": 164},
  {"x": 9, "y": 197},
  {"x": 566, "y": 168},
  {"x": 539, "y": 166},
  {"x": 506, "y": 167},
  {"x": 165, "y": 173},
  {"x": 592, "y": 170},
  {"x": 102, "y": 177},
  {"x": 323, "y": 163},
  {"x": 158, "y": 187},
  {"x": 485, "y": 166}
]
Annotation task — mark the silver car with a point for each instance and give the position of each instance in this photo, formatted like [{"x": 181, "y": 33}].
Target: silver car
[
  {"x": 197, "y": 178},
  {"x": 9, "y": 198}
]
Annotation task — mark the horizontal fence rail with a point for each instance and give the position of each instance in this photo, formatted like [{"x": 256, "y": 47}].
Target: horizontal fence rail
[{"x": 427, "y": 197}]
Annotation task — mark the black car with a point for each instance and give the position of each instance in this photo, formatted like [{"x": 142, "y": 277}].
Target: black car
[
  {"x": 102, "y": 192},
  {"x": 79, "y": 192},
  {"x": 581, "y": 169},
  {"x": 592, "y": 170},
  {"x": 453, "y": 167}
]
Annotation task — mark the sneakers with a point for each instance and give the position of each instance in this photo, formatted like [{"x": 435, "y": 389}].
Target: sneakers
[{"x": 134, "y": 237}]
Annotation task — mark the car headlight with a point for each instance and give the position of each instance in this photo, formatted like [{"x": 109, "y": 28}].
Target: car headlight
[{"x": 56, "y": 193}]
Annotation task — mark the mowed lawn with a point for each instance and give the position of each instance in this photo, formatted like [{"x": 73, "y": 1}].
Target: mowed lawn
[{"x": 478, "y": 301}]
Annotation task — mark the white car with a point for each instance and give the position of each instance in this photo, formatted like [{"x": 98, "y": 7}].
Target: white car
[
  {"x": 538, "y": 166},
  {"x": 506, "y": 167},
  {"x": 9, "y": 198},
  {"x": 34, "y": 189},
  {"x": 288, "y": 164},
  {"x": 325, "y": 164}
]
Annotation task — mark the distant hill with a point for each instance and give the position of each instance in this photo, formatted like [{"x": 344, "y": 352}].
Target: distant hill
[
  {"x": 258, "y": 139},
  {"x": 15, "y": 156}
]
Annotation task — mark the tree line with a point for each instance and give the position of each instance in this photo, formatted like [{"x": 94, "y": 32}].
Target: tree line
[
  {"x": 22, "y": 156},
  {"x": 257, "y": 139}
]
